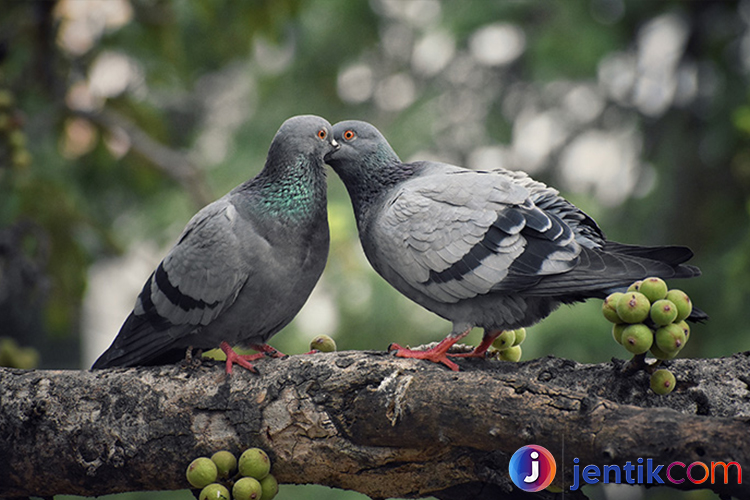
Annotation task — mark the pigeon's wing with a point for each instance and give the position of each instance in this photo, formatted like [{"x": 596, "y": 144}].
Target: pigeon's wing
[
  {"x": 199, "y": 278},
  {"x": 456, "y": 235},
  {"x": 587, "y": 231},
  {"x": 603, "y": 265}
]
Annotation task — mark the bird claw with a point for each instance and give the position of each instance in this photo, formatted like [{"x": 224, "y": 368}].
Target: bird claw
[
  {"x": 239, "y": 359},
  {"x": 269, "y": 351},
  {"x": 436, "y": 354}
]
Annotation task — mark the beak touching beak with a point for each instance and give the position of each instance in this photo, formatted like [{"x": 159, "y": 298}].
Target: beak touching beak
[{"x": 335, "y": 145}]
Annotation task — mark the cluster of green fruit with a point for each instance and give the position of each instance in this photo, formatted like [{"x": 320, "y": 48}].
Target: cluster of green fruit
[
  {"x": 507, "y": 345},
  {"x": 14, "y": 356},
  {"x": 10, "y": 127},
  {"x": 650, "y": 317},
  {"x": 249, "y": 478}
]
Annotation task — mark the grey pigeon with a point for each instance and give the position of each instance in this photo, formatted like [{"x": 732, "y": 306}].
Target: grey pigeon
[
  {"x": 490, "y": 249},
  {"x": 243, "y": 266}
]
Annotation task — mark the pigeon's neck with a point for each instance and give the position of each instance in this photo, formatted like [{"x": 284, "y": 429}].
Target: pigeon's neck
[
  {"x": 376, "y": 183},
  {"x": 294, "y": 190}
]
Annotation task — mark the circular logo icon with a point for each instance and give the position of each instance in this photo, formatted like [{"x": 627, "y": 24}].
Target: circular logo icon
[{"x": 532, "y": 468}]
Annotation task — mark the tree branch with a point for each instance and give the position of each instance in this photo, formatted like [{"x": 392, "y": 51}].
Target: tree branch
[{"x": 367, "y": 421}]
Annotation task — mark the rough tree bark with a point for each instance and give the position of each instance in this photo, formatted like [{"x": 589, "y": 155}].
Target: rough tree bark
[{"x": 366, "y": 421}]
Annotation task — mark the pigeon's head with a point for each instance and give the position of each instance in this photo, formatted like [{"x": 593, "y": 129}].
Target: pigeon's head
[
  {"x": 308, "y": 135},
  {"x": 363, "y": 153},
  {"x": 365, "y": 162}
]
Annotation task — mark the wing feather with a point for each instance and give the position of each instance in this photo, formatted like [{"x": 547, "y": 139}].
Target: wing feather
[
  {"x": 458, "y": 234},
  {"x": 199, "y": 278}
]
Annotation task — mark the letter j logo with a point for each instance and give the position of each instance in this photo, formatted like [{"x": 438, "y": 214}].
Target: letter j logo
[{"x": 532, "y": 468}]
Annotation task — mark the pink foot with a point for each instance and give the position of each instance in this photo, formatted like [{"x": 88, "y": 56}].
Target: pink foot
[
  {"x": 437, "y": 354},
  {"x": 240, "y": 359},
  {"x": 269, "y": 351}
]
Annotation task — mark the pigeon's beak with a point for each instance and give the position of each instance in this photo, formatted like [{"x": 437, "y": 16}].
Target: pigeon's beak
[{"x": 336, "y": 146}]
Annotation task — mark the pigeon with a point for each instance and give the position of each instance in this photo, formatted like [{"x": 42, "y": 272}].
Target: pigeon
[
  {"x": 243, "y": 266},
  {"x": 490, "y": 249}
]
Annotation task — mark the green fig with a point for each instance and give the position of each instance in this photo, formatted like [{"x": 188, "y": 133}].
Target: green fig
[
  {"x": 637, "y": 338},
  {"x": 511, "y": 353},
  {"x": 254, "y": 462},
  {"x": 663, "y": 312},
  {"x": 214, "y": 491},
  {"x": 270, "y": 487},
  {"x": 633, "y": 307},
  {"x": 670, "y": 338},
  {"x": 520, "y": 336},
  {"x": 685, "y": 329},
  {"x": 225, "y": 462},
  {"x": 659, "y": 354},
  {"x": 609, "y": 307},
  {"x": 617, "y": 331},
  {"x": 662, "y": 382},
  {"x": 653, "y": 288},
  {"x": 247, "y": 488},
  {"x": 683, "y": 303},
  {"x": 201, "y": 472},
  {"x": 323, "y": 343},
  {"x": 505, "y": 340},
  {"x": 635, "y": 286}
]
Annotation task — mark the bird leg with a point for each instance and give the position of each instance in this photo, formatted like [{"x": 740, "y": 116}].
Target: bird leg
[
  {"x": 480, "y": 351},
  {"x": 241, "y": 359},
  {"x": 437, "y": 354}
]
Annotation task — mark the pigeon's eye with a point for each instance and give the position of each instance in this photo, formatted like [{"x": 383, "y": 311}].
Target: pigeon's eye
[
  {"x": 322, "y": 134},
  {"x": 349, "y": 135}
]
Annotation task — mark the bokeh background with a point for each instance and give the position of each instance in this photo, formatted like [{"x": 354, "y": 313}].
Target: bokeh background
[{"x": 119, "y": 119}]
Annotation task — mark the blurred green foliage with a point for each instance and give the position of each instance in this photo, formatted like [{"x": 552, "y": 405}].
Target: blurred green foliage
[{"x": 212, "y": 81}]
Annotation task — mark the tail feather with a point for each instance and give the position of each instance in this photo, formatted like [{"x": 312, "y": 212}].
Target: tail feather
[
  {"x": 671, "y": 254},
  {"x": 697, "y": 316},
  {"x": 601, "y": 271},
  {"x": 139, "y": 343},
  {"x": 615, "y": 267}
]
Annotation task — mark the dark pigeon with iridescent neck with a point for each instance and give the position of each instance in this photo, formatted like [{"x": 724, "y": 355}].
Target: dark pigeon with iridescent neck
[
  {"x": 243, "y": 266},
  {"x": 496, "y": 249}
]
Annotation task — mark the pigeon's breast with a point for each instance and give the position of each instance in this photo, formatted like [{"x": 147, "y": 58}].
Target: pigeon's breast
[{"x": 283, "y": 271}]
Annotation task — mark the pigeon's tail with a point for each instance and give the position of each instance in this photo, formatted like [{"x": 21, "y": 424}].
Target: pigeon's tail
[
  {"x": 672, "y": 255},
  {"x": 139, "y": 344},
  {"x": 615, "y": 267}
]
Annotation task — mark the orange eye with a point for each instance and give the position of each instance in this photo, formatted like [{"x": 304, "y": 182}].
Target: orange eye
[
  {"x": 349, "y": 135},
  {"x": 322, "y": 133}
]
